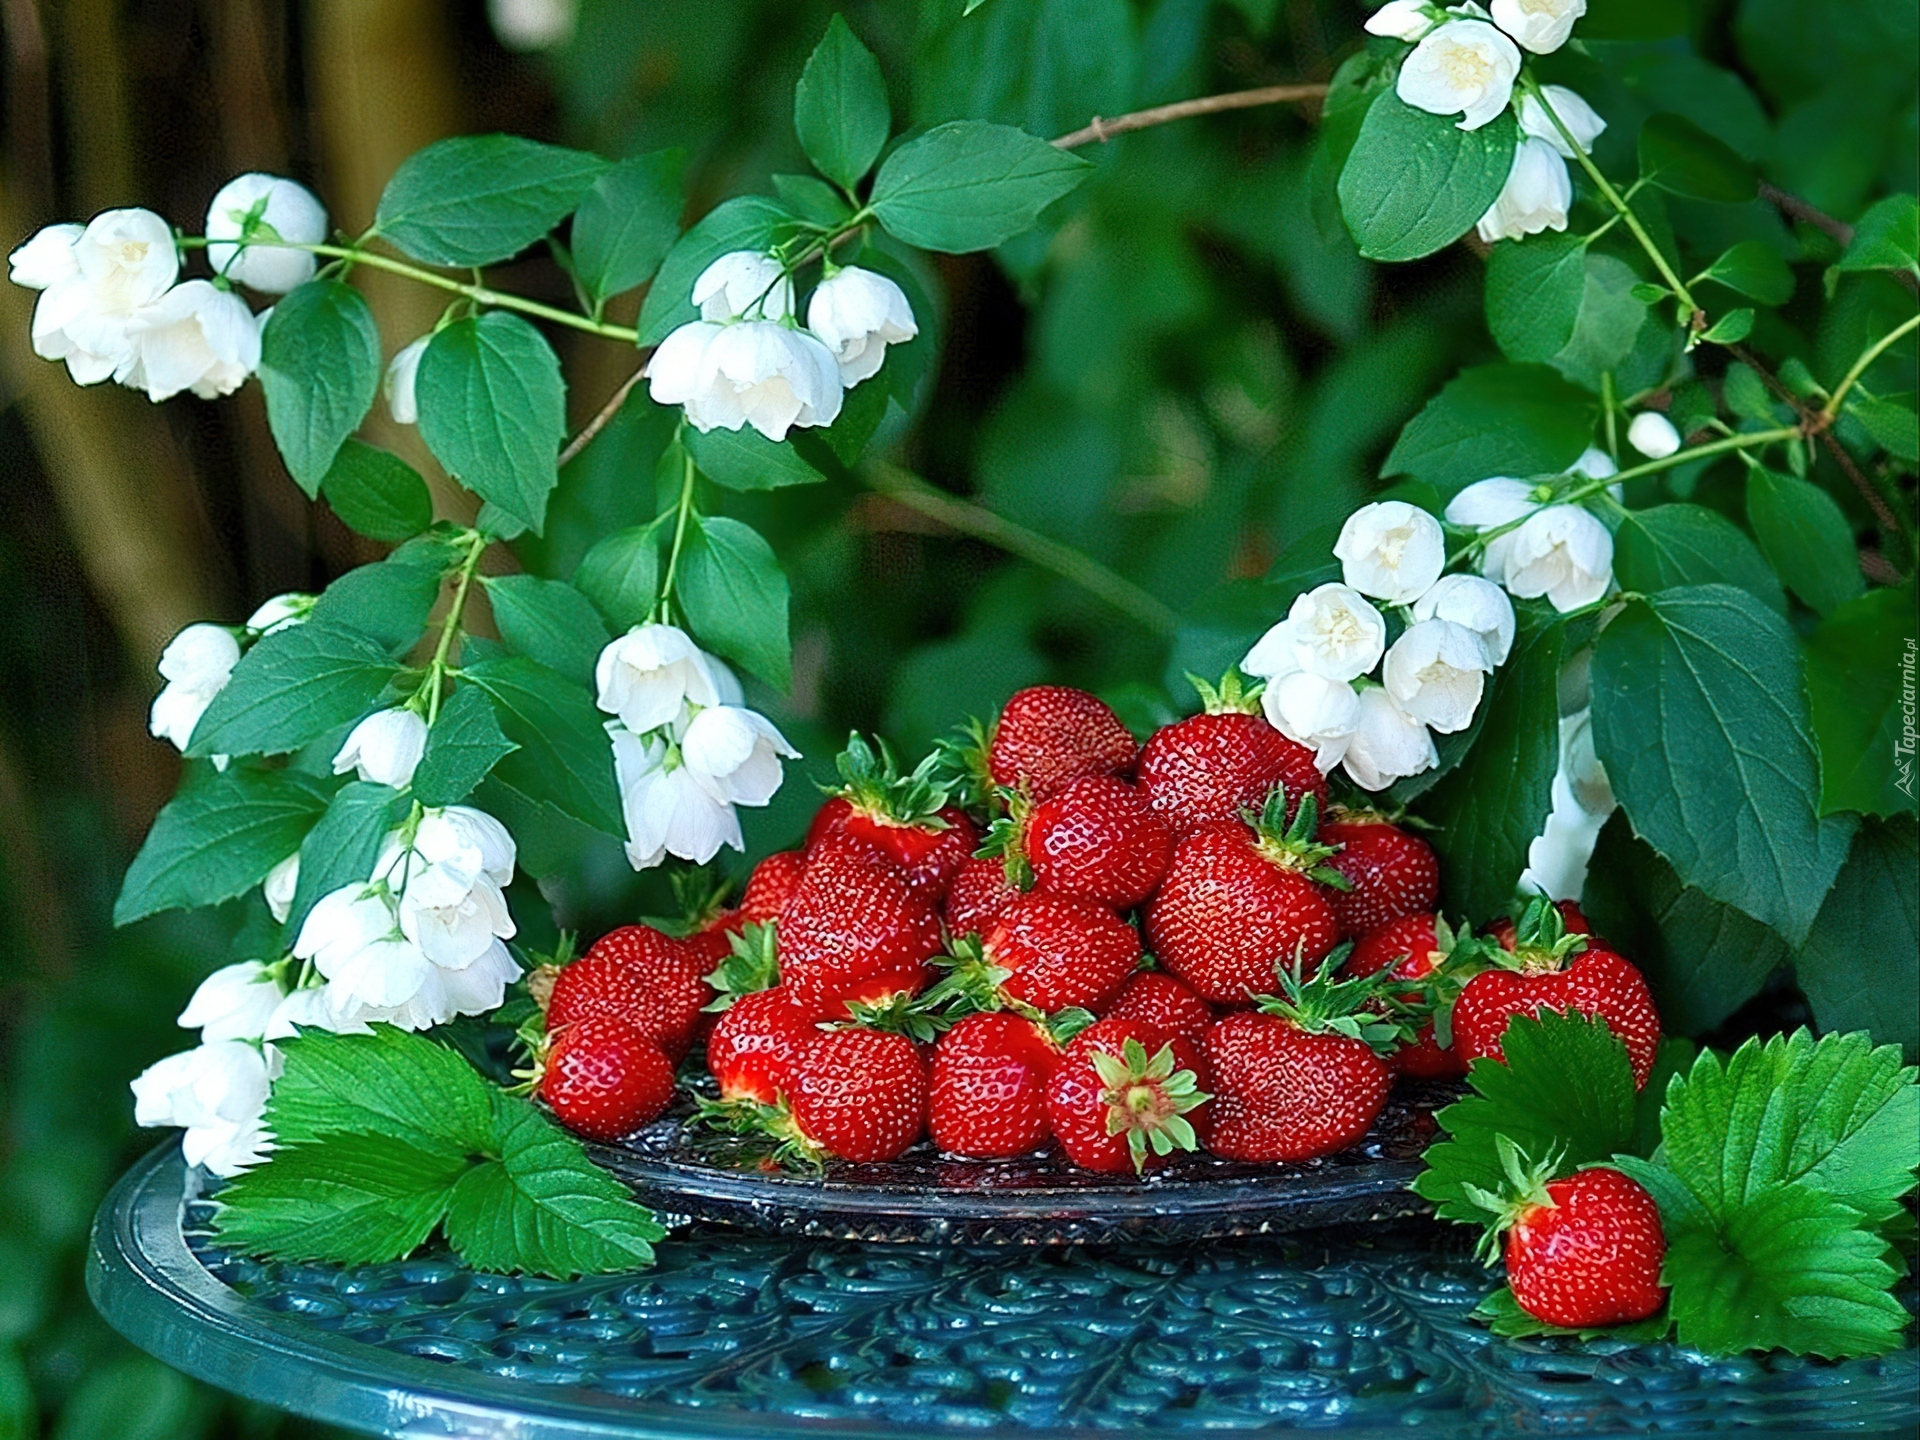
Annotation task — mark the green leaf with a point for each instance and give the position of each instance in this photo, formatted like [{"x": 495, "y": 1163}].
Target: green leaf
[
  {"x": 475, "y": 199},
  {"x": 1534, "y": 290},
  {"x": 1350, "y": 95},
  {"x": 292, "y": 686},
  {"x": 341, "y": 848},
  {"x": 1680, "y": 157},
  {"x": 735, "y": 596},
  {"x": 217, "y": 839},
  {"x": 1632, "y": 20},
  {"x": 463, "y": 745},
  {"x": 1498, "y": 797},
  {"x": 544, "y": 1208},
  {"x": 1517, "y": 420},
  {"x": 861, "y": 413},
  {"x": 130, "y": 1397},
  {"x": 1756, "y": 270},
  {"x": 1731, "y": 328},
  {"x": 746, "y": 460},
  {"x": 344, "y": 1200},
  {"x": 1609, "y": 325},
  {"x": 1567, "y": 1085},
  {"x": 621, "y": 575},
  {"x": 564, "y": 757},
  {"x": 1802, "y": 531},
  {"x": 1700, "y": 717},
  {"x": 388, "y": 601},
  {"x": 1670, "y": 545},
  {"x": 970, "y": 185},
  {"x": 840, "y": 106},
  {"x": 746, "y": 222},
  {"x": 1748, "y": 397},
  {"x": 1416, "y": 182},
  {"x": 319, "y": 369},
  {"x": 493, "y": 411},
  {"x": 628, "y": 222},
  {"x": 1860, "y": 967},
  {"x": 1860, "y": 680},
  {"x": 1892, "y": 424},
  {"x": 812, "y": 198},
  {"x": 19, "y": 1411},
  {"x": 1887, "y": 237},
  {"x": 388, "y": 1083},
  {"x": 548, "y": 621},
  {"x": 376, "y": 493}
]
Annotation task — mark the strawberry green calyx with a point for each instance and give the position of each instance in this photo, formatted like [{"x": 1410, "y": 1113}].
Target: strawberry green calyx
[
  {"x": 1367, "y": 1008},
  {"x": 1463, "y": 956},
  {"x": 960, "y": 766},
  {"x": 921, "y": 1018},
  {"x": 750, "y": 1130},
  {"x": 1006, "y": 838},
  {"x": 1063, "y": 1025},
  {"x": 753, "y": 966},
  {"x": 701, "y": 893},
  {"x": 1290, "y": 844},
  {"x": 1524, "y": 1191},
  {"x": 972, "y": 984},
  {"x": 1232, "y": 696},
  {"x": 1541, "y": 940},
  {"x": 871, "y": 782},
  {"x": 1147, "y": 1100}
]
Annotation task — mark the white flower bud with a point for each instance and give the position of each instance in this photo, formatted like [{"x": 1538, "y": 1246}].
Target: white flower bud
[
  {"x": 1563, "y": 553},
  {"x": 195, "y": 665},
  {"x": 277, "y": 889},
  {"x": 734, "y": 754},
  {"x": 46, "y": 258},
  {"x": 280, "y": 611},
  {"x": 1583, "y": 122},
  {"x": 743, "y": 285},
  {"x": 217, "y": 1092},
  {"x": 1315, "y": 712},
  {"x": 1388, "y": 744},
  {"x": 667, "y": 809},
  {"x": 281, "y": 209},
  {"x": 1653, "y": 435},
  {"x": 1436, "y": 672},
  {"x": 1535, "y": 197},
  {"x": 760, "y": 373},
  {"x": 399, "y": 383},
  {"x": 650, "y": 674},
  {"x": 1479, "y": 605},
  {"x": 1400, "y": 20},
  {"x": 195, "y": 337},
  {"x": 1463, "y": 67},
  {"x": 529, "y": 25},
  {"x": 1540, "y": 25},
  {"x": 385, "y": 748},
  {"x": 857, "y": 314},
  {"x": 1391, "y": 550},
  {"x": 233, "y": 1003}
]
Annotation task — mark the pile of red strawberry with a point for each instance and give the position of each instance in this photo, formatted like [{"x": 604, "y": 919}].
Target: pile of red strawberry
[{"x": 960, "y": 952}]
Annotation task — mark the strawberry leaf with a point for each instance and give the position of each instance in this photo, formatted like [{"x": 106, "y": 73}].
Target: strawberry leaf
[{"x": 346, "y": 1199}]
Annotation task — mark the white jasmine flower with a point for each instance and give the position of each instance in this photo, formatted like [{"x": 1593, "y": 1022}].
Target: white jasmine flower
[
  {"x": 1391, "y": 550},
  {"x": 1388, "y": 744},
  {"x": 1318, "y": 713},
  {"x": 475, "y": 836},
  {"x": 1400, "y": 20},
  {"x": 217, "y": 1092},
  {"x": 277, "y": 889},
  {"x": 1653, "y": 435},
  {"x": 1557, "y": 859},
  {"x": 674, "y": 370},
  {"x": 1331, "y": 631},
  {"x": 385, "y": 748},
  {"x": 195, "y": 337},
  {"x": 734, "y": 754},
  {"x": 763, "y": 374},
  {"x": 233, "y": 1003},
  {"x": 308, "y": 1010},
  {"x": 650, "y": 674},
  {"x": 668, "y": 810},
  {"x": 46, "y": 258},
  {"x": 291, "y": 608},
  {"x": 1595, "y": 464},
  {"x": 281, "y": 209},
  {"x": 1436, "y": 672},
  {"x": 195, "y": 665},
  {"x": 1487, "y": 505},
  {"x": 743, "y": 284},
  {"x": 1535, "y": 197},
  {"x": 1479, "y": 605},
  {"x": 400, "y": 382},
  {"x": 1563, "y": 553},
  {"x": 122, "y": 260},
  {"x": 1464, "y": 67},
  {"x": 1540, "y": 25},
  {"x": 342, "y": 923},
  {"x": 857, "y": 314},
  {"x": 1583, "y": 122}
]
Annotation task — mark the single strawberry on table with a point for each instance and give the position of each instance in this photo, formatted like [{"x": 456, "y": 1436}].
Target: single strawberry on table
[
  {"x": 988, "y": 1095},
  {"x": 1048, "y": 736},
  {"x": 853, "y": 930},
  {"x": 1239, "y": 900},
  {"x": 1417, "y": 946},
  {"x": 1126, "y": 1096},
  {"x": 1044, "y": 954},
  {"x": 1164, "y": 1001},
  {"x": 1390, "y": 872},
  {"x": 603, "y": 1078},
  {"x": 1216, "y": 765},
  {"x": 906, "y": 818},
  {"x": 1097, "y": 837}
]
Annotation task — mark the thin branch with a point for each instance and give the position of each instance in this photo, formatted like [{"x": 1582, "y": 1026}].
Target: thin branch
[
  {"x": 1800, "y": 210},
  {"x": 599, "y": 421},
  {"x": 1103, "y": 130}
]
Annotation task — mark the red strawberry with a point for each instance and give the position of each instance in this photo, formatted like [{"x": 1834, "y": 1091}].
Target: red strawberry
[
  {"x": 1047, "y": 953},
  {"x": 1572, "y": 919},
  {"x": 604, "y": 1079},
  {"x": 1581, "y": 1252},
  {"x": 977, "y": 895},
  {"x": 1126, "y": 1095},
  {"x": 768, "y": 887},
  {"x": 1415, "y": 942},
  {"x": 752, "y": 1047},
  {"x": 859, "y": 1094},
  {"x": 1217, "y": 765},
  {"x": 1097, "y": 837},
  {"x": 906, "y": 818},
  {"x": 1162, "y": 1001},
  {"x": 1238, "y": 902},
  {"x": 642, "y": 976},
  {"x": 1301, "y": 1076},
  {"x": 1555, "y": 969},
  {"x": 989, "y": 1092},
  {"x": 853, "y": 930},
  {"x": 1051, "y": 735},
  {"x": 1392, "y": 872}
]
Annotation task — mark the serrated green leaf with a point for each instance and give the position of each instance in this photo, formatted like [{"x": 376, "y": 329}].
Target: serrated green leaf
[
  {"x": 292, "y": 686},
  {"x": 1680, "y": 157},
  {"x": 493, "y": 411},
  {"x": 548, "y": 621},
  {"x": 1700, "y": 717},
  {"x": 1533, "y": 294},
  {"x": 475, "y": 199},
  {"x": 746, "y": 222},
  {"x": 1860, "y": 967},
  {"x": 344, "y": 1200},
  {"x": 628, "y": 222},
  {"x": 463, "y": 745},
  {"x": 840, "y": 106},
  {"x": 621, "y": 575},
  {"x": 387, "y": 1083},
  {"x": 1756, "y": 270},
  {"x": 564, "y": 758},
  {"x": 217, "y": 839},
  {"x": 343, "y": 844},
  {"x": 1517, "y": 420},
  {"x": 1887, "y": 237},
  {"x": 735, "y": 596},
  {"x": 1672, "y": 545},
  {"x": 746, "y": 460},
  {"x": 1804, "y": 534},
  {"x": 376, "y": 493},
  {"x": 1415, "y": 182},
  {"x": 1859, "y": 668},
  {"x": 319, "y": 369},
  {"x": 970, "y": 185}
]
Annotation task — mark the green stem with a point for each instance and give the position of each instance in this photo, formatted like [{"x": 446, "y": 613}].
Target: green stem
[
  {"x": 450, "y": 627},
  {"x": 685, "y": 510},
  {"x": 1872, "y": 353},
  {"x": 1063, "y": 560}
]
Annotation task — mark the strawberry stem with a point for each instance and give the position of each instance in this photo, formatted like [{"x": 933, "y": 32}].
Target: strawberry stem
[{"x": 1147, "y": 1100}]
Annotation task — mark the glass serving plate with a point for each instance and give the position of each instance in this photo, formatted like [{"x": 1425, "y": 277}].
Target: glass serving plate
[{"x": 924, "y": 1197}]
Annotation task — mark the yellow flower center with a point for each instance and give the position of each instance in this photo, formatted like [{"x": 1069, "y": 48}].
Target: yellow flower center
[{"x": 1466, "y": 69}]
